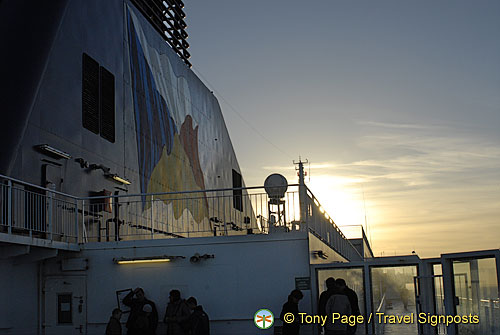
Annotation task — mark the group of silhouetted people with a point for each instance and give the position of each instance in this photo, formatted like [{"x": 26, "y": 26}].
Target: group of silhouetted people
[
  {"x": 338, "y": 298},
  {"x": 182, "y": 317},
  {"x": 186, "y": 317}
]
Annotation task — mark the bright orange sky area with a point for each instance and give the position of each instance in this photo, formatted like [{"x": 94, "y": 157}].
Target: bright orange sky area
[{"x": 408, "y": 208}]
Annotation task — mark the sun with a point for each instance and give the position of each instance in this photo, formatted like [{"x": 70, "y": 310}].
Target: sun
[{"x": 341, "y": 197}]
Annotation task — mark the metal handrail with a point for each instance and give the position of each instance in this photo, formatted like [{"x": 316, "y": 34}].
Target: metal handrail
[
  {"x": 333, "y": 223},
  {"x": 330, "y": 221},
  {"x": 38, "y": 211},
  {"x": 17, "y": 181},
  {"x": 382, "y": 302},
  {"x": 178, "y": 192},
  {"x": 54, "y": 213}
]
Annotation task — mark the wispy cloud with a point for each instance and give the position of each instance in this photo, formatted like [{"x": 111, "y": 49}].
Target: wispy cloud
[
  {"x": 278, "y": 168},
  {"x": 314, "y": 166},
  {"x": 419, "y": 184},
  {"x": 399, "y": 125}
]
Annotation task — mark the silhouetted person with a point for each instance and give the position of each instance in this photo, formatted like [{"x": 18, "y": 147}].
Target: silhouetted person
[
  {"x": 353, "y": 300},
  {"x": 323, "y": 297},
  {"x": 144, "y": 321},
  {"x": 177, "y": 315},
  {"x": 292, "y": 306},
  {"x": 339, "y": 303},
  {"x": 135, "y": 322},
  {"x": 114, "y": 327},
  {"x": 199, "y": 323}
]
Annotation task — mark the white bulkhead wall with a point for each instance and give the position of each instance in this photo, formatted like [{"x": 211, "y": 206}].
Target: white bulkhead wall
[
  {"x": 247, "y": 273},
  {"x": 18, "y": 296}
]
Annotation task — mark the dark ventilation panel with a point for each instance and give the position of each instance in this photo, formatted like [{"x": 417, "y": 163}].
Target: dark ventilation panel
[
  {"x": 90, "y": 94},
  {"x": 237, "y": 194},
  {"x": 98, "y": 99},
  {"x": 107, "y": 105}
]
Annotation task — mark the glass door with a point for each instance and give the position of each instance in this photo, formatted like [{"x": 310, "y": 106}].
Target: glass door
[
  {"x": 353, "y": 278},
  {"x": 394, "y": 305},
  {"x": 476, "y": 291},
  {"x": 383, "y": 285}
]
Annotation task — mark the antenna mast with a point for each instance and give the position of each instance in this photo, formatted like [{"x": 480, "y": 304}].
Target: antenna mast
[
  {"x": 302, "y": 191},
  {"x": 300, "y": 168}
]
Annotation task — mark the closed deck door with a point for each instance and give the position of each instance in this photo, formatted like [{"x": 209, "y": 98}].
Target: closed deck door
[{"x": 65, "y": 306}]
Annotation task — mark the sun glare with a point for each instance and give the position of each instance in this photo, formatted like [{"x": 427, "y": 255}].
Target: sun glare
[{"x": 340, "y": 197}]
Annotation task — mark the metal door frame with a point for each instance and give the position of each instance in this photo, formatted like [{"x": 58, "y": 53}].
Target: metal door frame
[
  {"x": 424, "y": 269},
  {"x": 427, "y": 301},
  {"x": 61, "y": 277},
  {"x": 449, "y": 278},
  {"x": 394, "y": 261}
]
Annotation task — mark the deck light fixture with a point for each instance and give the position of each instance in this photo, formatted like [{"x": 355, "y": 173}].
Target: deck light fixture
[
  {"x": 197, "y": 257},
  {"x": 118, "y": 179},
  {"x": 320, "y": 254},
  {"x": 142, "y": 260},
  {"x": 53, "y": 151}
]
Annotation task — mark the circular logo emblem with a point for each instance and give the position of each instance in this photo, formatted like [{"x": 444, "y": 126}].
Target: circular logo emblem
[{"x": 263, "y": 319}]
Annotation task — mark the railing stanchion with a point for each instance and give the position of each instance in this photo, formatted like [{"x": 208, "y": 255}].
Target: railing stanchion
[
  {"x": 76, "y": 220},
  {"x": 152, "y": 218},
  {"x": 224, "y": 205},
  {"x": 84, "y": 233},
  {"x": 9, "y": 205},
  {"x": 49, "y": 202}
]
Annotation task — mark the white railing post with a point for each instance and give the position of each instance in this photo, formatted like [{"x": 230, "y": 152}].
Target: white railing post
[
  {"x": 49, "y": 204},
  {"x": 84, "y": 229},
  {"x": 224, "y": 212},
  {"x": 152, "y": 218},
  {"x": 323, "y": 227},
  {"x": 76, "y": 220},
  {"x": 9, "y": 206}
]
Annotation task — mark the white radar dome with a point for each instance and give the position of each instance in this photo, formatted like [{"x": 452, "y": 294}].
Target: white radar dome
[{"x": 276, "y": 186}]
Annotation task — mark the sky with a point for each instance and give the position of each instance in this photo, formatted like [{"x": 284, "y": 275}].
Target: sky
[{"x": 395, "y": 104}]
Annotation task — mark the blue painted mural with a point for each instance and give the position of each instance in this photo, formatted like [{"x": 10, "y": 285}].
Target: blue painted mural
[{"x": 167, "y": 154}]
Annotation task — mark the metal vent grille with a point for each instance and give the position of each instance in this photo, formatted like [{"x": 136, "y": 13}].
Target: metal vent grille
[
  {"x": 107, "y": 105},
  {"x": 167, "y": 17},
  {"x": 90, "y": 94}
]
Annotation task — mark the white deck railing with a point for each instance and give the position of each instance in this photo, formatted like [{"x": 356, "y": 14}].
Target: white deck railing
[
  {"x": 31, "y": 210},
  {"x": 322, "y": 225},
  {"x": 182, "y": 214}
]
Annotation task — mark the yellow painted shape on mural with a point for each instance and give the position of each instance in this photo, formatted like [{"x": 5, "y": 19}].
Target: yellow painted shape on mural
[{"x": 173, "y": 173}]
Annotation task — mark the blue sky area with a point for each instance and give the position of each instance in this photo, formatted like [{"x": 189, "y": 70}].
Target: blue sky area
[{"x": 396, "y": 99}]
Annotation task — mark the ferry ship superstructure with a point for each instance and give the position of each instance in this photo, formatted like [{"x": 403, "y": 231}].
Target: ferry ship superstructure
[
  {"x": 99, "y": 103},
  {"x": 117, "y": 171}
]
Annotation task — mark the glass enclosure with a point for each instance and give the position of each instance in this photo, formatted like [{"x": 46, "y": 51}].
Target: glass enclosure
[
  {"x": 393, "y": 292},
  {"x": 439, "y": 308},
  {"x": 354, "y": 280},
  {"x": 476, "y": 289},
  {"x": 462, "y": 284}
]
